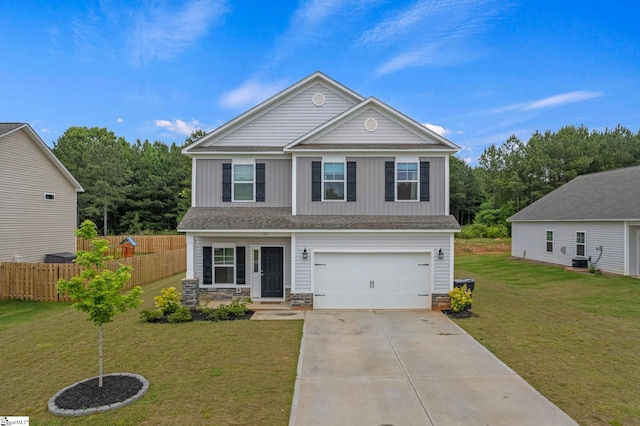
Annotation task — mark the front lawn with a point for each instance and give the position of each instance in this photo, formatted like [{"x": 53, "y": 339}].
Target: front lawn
[
  {"x": 574, "y": 337},
  {"x": 235, "y": 372}
]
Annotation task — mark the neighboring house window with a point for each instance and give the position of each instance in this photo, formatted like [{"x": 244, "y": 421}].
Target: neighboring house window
[
  {"x": 49, "y": 196},
  {"x": 550, "y": 241},
  {"x": 333, "y": 181},
  {"x": 223, "y": 265},
  {"x": 406, "y": 181},
  {"x": 580, "y": 238},
  {"x": 329, "y": 181},
  {"x": 243, "y": 182}
]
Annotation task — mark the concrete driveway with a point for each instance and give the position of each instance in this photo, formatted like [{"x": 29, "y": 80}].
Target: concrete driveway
[{"x": 407, "y": 368}]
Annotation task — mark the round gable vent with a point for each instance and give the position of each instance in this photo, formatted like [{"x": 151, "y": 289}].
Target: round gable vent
[
  {"x": 371, "y": 124},
  {"x": 318, "y": 99}
]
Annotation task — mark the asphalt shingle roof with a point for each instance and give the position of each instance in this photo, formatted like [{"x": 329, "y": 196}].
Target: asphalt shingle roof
[
  {"x": 610, "y": 195},
  {"x": 7, "y": 127},
  {"x": 280, "y": 218}
]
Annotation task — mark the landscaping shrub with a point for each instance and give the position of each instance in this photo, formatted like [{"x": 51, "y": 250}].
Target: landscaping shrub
[
  {"x": 460, "y": 298},
  {"x": 169, "y": 300},
  {"x": 182, "y": 314},
  {"x": 151, "y": 315}
]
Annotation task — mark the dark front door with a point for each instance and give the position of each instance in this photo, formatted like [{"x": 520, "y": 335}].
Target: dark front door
[{"x": 272, "y": 272}]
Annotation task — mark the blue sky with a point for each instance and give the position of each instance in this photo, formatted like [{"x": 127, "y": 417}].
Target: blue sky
[{"x": 476, "y": 71}]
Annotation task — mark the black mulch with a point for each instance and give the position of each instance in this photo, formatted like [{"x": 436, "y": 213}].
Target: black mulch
[
  {"x": 462, "y": 314},
  {"x": 115, "y": 388},
  {"x": 197, "y": 315}
]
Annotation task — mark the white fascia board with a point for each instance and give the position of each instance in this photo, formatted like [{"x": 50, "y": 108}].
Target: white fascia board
[
  {"x": 376, "y": 152},
  {"x": 287, "y": 232},
  {"x": 193, "y": 181},
  {"x": 569, "y": 220},
  {"x": 239, "y": 154},
  {"x": 294, "y": 184}
]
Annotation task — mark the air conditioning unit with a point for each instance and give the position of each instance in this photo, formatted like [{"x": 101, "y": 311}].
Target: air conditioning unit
[{"x": 579, "y": 262}]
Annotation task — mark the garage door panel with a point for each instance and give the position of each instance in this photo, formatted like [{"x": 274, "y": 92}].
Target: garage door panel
[{"x": 372, "y": 281}]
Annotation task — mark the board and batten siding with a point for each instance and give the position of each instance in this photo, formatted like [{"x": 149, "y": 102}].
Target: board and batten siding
[
  {"x": 529, "y": 241},
  {"x": 353, "y": 131},
  {"x": 209, "y": 184},
  {"x": 246, "y": 242},
  {"x": 288, "y": 121},
  {"x": 31, "y": 226},
  {"x": 370, "y": 182},
  {"x": 443, "y": 281}
]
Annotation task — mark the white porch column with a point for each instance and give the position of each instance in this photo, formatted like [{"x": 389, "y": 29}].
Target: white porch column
[{"x": 191, "y": 256}]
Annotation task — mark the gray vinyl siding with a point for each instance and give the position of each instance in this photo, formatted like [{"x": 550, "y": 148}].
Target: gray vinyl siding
[
  {"x": 378, "y": 241},
  {"x": 208, "y": 185},
  {"x": 246, "y": 242},
  {"x": 354, "y": 132},
  {"x": 289, "y": 120},
  {"x": 529, "y": 241},
  {"x": 31, "y": 226},
  {"x": 370, "y": 190}
]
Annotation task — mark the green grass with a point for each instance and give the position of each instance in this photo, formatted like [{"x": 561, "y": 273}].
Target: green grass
[
  {"x": 574, "y": 337},
  {"x": 236, "y": 372}
]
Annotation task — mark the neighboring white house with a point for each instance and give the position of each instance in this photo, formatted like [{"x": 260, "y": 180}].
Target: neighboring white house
[
  {"x": 323, "y": 197},
  {"x": 38, "y": 198},
  {"x": 592, "y": 220}
]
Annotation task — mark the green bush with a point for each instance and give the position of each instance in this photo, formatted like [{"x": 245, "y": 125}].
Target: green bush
[
  {"x": 169, "y": 300},
  {"x": 238, "y": 307},
  {"x": 479, "y": 230},
  {"x": 182, "y": 314},
  {"x": 151, "y": 315},
  {"x": 219, "y": 314},
  {"x": 460, "y": 298}
]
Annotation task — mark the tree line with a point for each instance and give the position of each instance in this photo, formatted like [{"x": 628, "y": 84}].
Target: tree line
[{"x": 145, "y": 187}]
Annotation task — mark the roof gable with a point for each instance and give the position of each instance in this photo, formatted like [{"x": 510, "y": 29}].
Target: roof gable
[
  {"x": 609, "y": 195},
  {"x": 372, "y": 124},
  {"x": 270, "y": 123},
  {"x": 9, "y": 128}
]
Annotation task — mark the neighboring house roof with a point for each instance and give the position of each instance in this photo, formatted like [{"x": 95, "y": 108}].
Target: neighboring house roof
[
  {"x": 280, "y": 218},
  {"x": 610, "y": 195},
  {"x": 8, "y": 128}
]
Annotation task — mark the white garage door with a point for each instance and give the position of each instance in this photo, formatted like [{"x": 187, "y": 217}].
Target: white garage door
[{"x": 372, "y": 281}]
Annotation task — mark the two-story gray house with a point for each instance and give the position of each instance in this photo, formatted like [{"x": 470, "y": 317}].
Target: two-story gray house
[{"x": 325, "y": 198}]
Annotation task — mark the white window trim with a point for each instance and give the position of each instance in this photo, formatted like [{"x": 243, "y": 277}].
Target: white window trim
[
  {"x": 215, "y": 246},
  {"x": 546, "y": 240},
  {"x": 401, "y": 160},
  {"x": 335, "y": 160},
  {"x": 235, "y": 163},
  {"x": 51, "y": 195},
  {"x": 583, "y": 244}
]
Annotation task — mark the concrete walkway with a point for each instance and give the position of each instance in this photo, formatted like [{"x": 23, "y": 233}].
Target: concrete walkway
[{"x": 407, "y": 368}]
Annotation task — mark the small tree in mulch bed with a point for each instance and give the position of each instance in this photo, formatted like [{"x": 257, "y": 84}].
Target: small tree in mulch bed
[
  {"x": 460, "y": 298},
  {"x": 98, "y": 291}
]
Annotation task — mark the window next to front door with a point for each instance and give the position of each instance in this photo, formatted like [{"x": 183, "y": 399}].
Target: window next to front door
[{"x": 580, "y": 243}]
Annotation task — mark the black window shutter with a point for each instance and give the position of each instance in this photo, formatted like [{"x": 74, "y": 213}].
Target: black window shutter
[
  {"x": 226, "y": 182},
  {"x": 424, "y": 181},
  {"x": 389, "y": 181},
  {"x": 240, "y": 266},
  {"x": 260, "y": 195},
  {"x": 316, "y": 181},
  {"x": 351, "y": 181},
  {"x": 207, "y": 265}
]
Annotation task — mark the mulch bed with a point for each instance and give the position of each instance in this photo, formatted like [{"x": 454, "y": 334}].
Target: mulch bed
[
  {"x": 115, "y": 388},
  {"x": 197, "y": 315},
  {"x": 467, "y": 313}
]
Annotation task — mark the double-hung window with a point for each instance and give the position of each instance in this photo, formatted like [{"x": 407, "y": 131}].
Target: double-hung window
[
  {"x": 407, "y": 181},
  {"x": 580, "y": 243},
  {"x": 550, "y": 241},
  {"x": 223, "y": 265},
  {"x": 243, "y": 182},
  {"x": 333, "y": 181}
]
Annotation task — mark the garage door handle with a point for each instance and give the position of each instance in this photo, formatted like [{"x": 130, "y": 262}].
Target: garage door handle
[
  {"x": 372, "y": 284},
  {"x": 423, "y": 264},
  {"x": 423, "y": 295},
  {"x": 320, "y": 294}
]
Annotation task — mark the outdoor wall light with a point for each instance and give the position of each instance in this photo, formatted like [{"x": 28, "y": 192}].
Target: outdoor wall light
[
  {"x": 305, "y": 255},
  {"x": 440, "y": 254}
]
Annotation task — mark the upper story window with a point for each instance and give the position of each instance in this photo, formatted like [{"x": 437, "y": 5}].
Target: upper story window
[
  {"x": 550, "y": 241},
  {"x": 333, "y": 181},
  {"x": 580, "y": 243},
  {"x": 243, "y": 182},
  {"x": 407, "y": 181}
]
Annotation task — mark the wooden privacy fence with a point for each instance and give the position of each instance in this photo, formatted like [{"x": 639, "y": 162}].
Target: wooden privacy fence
[
  {"x": 37, "y": 281},
  {"x": 144, "y": 243}
]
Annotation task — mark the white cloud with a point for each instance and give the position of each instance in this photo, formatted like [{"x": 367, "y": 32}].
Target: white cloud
[
  {"x": 120, "y": 120},
  {"x": 250, "y": 93},
  {"x": 549, "y": 102},
  {"x": 45, "y": 130},
  {"x": 178, "y": 126},
  {"x": 437, "y": 129},
  {"x": 161, "y": 33}
]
